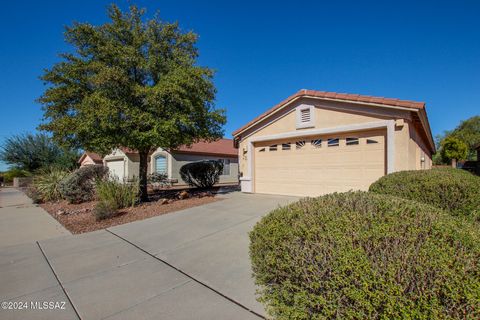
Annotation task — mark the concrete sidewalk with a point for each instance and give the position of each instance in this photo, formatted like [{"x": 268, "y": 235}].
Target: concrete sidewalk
[
  {"x": 24, "y": 222},
  {"x": 191, "y": 264}
]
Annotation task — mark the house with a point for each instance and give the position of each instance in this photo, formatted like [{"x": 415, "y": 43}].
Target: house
[
  {"x": 317, "y": 142},
  {"x": 89, "y": 158},
  {"x": 124, "y": 163}
]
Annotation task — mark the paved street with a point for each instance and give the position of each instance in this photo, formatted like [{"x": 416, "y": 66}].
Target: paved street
[{"x": 191, "y": 264}]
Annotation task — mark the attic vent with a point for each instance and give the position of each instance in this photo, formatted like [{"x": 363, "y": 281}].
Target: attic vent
[{"x": 305, "y": 115}]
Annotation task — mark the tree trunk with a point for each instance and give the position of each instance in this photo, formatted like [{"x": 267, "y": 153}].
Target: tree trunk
[
  {"x": 454, "y": 163},
  {"x": 142, "y": 176}
]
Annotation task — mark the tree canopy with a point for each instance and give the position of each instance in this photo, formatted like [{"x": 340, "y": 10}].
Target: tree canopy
[
  {"x": 453, "y": 149},
  {"x": 32, "y": 152},
  {"x": 130, "y": 83},
  {"x": 468, "y": 132}
]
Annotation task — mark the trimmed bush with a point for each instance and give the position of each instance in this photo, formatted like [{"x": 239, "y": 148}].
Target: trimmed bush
[
  {"x": 455, "y": 190},
  {"x": 360, "y": 255},
  {"x": 47, "y": 184},
  {"x": 79, "y": 186},
  {"x": 202, "y": 174}
]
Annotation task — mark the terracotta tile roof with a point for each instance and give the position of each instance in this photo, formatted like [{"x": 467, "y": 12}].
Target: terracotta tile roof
[
  {"x": 341, "y": 97},
  {"x": 94, "y": 156},
  {"x": 218, "y": 147}
]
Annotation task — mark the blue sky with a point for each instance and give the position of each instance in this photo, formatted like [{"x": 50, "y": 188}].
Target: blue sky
[{"x": 265, "y": 51}]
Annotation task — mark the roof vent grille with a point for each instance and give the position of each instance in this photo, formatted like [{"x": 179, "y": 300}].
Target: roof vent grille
[{"x": 305, "y": 115}]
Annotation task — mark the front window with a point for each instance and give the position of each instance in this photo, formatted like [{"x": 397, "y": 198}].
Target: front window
[
  {"x": 161, "y": 164},
  {"x": 226, "y": 167}
]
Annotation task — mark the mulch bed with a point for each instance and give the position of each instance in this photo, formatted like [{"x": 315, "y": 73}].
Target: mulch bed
[{"x": 79, "y": 218}]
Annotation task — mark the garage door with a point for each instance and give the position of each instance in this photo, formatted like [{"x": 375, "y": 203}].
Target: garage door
[
  {"x": 116, "y": 169},
  {"x": 312, "y": 166}
]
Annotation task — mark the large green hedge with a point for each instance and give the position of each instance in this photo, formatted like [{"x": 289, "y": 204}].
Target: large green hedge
[
  {"x": 455, "y": 190},
  {"x": 362, "y": 255}
]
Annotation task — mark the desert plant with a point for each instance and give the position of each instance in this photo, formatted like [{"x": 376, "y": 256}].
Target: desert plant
[
  {"x": 47, "y": 184},
  {"x": 79, "y": 186},
  {"x": 455, "y": 190},
  {"x": 121, "y": 195},
  {"x": 104, "y": 210},
  {"x": 33, "y": 194},
  {"x": 360, "y": 255},
  {"x": 202, "y": 174},
  {"x": 32, "y": 152}
]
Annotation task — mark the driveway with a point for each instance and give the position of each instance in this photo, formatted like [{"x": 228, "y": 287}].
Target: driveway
[{"x": 191, "y": 264}]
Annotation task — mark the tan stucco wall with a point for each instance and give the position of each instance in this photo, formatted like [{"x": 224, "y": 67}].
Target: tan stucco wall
[
  {"x": 327, "y": 115},
  {"x": 180, "y": 159},
  {"x": 87, "y": 161},
  {"x": 174, "y": 163},
  {"x": 408, "y": 145}
]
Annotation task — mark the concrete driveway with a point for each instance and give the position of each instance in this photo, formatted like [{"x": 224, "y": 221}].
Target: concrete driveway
[{"x": 191, "y": 264}]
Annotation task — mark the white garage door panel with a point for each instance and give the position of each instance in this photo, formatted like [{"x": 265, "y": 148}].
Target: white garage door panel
[
  {"x": 116, "y": 168},
  {"x": 312, "y": 171}
]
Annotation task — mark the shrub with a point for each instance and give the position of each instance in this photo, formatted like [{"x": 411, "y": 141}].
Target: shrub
[
  {"x": 114, "y": 195},
  {"x": 47, "y": 184},
  {"x": 104, "y": 210},
  {"x": 202, "y": 174},
  {"x": 79, "y": 186},
  {"x": 122, "y": 195},
  {"x": 33, "y": 194},
  {"x": 360, "y": 255},
  {"x": 451, "y": 189},
  {"x": 158, "y": 179}
]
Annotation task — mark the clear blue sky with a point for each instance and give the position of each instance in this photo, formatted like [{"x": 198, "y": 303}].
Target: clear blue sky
[{"x": 265, "y": 51}]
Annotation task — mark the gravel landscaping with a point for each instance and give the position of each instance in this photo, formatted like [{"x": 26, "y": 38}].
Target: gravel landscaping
[{"x": 79, "y": 218}]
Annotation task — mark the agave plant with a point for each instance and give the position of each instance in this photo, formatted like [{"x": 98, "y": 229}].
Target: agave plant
[{"x": 47, "y": 184}]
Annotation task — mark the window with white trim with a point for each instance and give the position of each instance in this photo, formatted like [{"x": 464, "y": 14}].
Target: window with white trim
[
  {"x": 226, "y": 167},
  {"x": 286, "y": 146},
  {"x": 261, "y": 150},
  {"x": 273, "y": 147},
  {"x": 371, "y": 141},
  {"x": 160, "y": 164}
]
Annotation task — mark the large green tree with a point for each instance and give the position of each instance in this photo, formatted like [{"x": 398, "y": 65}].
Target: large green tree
[
  {"x": 130, "y": 82},
  {"x": 32, "y": 152},
  {"x": 453, "y": 149},
  {"x": 468, "y": 131}
]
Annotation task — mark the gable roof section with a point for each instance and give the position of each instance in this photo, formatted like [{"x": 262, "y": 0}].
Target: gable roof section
[
  {"x": 346, "y": 97},
  {"x": 219, "y": 147},
  {"x": 94, "y": 156}
]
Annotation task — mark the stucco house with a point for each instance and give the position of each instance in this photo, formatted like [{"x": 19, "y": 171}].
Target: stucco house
[
  {"x": 317, "y": 142},
  {"x": 124, "y": 163},
  {"x": 89, "y": 158}
]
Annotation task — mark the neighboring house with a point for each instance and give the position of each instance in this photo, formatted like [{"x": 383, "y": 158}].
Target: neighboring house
[
  {"x": 89, "y": 158},
  {"x": 317, "y": 142},
  {"x": 124, "y": 163}
]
